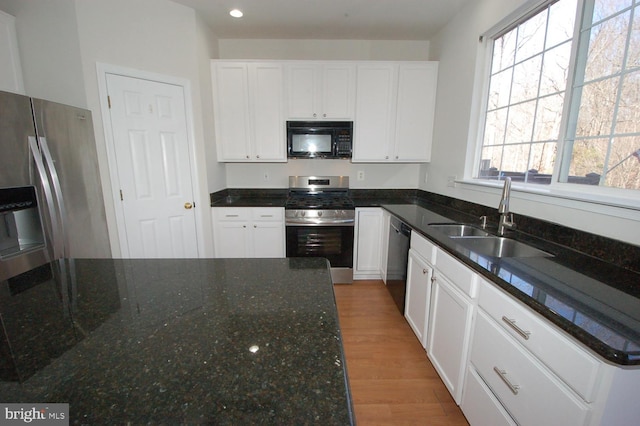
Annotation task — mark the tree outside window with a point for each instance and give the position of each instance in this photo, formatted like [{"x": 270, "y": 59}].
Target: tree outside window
[{"x": 530, "y": 80}]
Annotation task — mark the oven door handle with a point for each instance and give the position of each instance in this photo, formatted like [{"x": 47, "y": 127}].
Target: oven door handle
[{"x": 302, "y": 222}]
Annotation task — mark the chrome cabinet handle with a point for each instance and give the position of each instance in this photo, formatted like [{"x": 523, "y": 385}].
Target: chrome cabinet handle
[
  {"x": 512, "y": 323},
  {"x": 503, "y": 375}
]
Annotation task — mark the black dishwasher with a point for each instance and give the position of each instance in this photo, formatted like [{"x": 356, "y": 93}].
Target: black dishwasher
[{"x": 399, "y": 234}]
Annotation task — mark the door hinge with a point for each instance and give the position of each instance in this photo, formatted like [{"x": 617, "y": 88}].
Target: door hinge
[
  {"x": 121, "y": 197},
  {"x": 109, "y": 101}
]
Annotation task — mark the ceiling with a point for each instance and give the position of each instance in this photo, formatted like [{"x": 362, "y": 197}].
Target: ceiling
[{"x": 327, "y": 19}]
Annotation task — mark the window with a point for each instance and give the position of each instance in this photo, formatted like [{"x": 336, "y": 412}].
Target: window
[{"x": 563, "y": 100}]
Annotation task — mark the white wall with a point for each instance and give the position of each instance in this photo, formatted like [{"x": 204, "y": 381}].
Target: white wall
[
  {"x": 241, "y": 175},
  {"x": 366, "y": 50},
  {"x": 207, "y": 49},
  {"x": 456, "y": 47},
  {"x": 276, "y": 175},
  {"x": 156, "y": 36},
  {"x": 49, "y": 49}
]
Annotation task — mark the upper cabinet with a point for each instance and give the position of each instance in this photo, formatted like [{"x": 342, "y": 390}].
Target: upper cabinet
[
  {"x": 392, "y": 105},
  {"x": 395, "y": 106},
  {"x": 320, "y": 90},
  {"x": 10, "y": 69},
  {"x": 248, "y": 109}
]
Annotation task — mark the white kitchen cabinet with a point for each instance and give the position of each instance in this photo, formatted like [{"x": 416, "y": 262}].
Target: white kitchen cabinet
[
  {"x": 249, "y": 232},
  {"x": 367, "y": 249},
  {"x": 418, "y": 295},
  {"x": 10, "y": 68},
  {"x": 318, "y": 90},
  {"x": 395, "y": 107},
  {"x": 248, "y": 111},
  {"x": 375, "y": 107},
  {"x": 450, "y": 323},
  {"x": 527, "y": 367},
  {"x": 527, "y": 390}
]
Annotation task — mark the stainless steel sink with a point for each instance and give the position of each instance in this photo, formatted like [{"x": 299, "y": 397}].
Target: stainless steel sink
[
  {"x": 459, "y": 230},
  {"x": 500, "y": 247}
]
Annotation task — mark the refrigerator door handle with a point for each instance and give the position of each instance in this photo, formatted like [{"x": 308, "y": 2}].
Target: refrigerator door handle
[
  {"x": 57, "y": 192},
  {"x": 46, "y": 188}
]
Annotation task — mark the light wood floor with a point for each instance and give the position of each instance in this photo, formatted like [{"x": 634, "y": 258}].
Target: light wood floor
[{"x": 392, "y": 380}]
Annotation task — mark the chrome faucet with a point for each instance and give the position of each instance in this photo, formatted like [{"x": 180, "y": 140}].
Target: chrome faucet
[{"x": 506, "y": 218}]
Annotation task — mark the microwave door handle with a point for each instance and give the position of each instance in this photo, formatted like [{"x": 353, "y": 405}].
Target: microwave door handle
[
  {"x": 57, "y": 191},
  {"x": 46, "y": 189}
]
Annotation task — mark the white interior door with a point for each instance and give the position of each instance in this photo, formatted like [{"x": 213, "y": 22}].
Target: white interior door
[{"x": 150, "y": 137}]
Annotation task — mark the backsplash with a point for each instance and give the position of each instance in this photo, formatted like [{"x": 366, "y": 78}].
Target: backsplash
[{"x": 612, "y": 251}]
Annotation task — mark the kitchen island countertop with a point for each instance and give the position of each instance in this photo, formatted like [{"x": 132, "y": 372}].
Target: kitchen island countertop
[{"x": 221, "y": 341}]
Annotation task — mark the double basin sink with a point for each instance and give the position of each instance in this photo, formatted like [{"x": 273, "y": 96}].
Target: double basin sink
[{"x": 482, "y": 242}]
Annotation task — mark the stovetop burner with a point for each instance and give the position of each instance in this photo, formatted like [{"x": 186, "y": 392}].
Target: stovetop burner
[
  {"x": 319, "y": 201},
  {"x": 319, "y": 192}
]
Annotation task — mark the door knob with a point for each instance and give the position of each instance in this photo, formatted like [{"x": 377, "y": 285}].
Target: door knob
[{"x": 188, "y": 206}]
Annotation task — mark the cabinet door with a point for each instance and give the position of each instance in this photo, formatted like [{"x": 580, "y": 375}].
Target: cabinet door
[
  {"x": 302, "y": 91},
  {"x": 232, "y": 239},
  {"x": 266, "y": 95},
  {"x": 338, "y": 91},
  {"x": 375, "y": 111},
  {"x": 418, "y": 295},
  {"x": 268, "y": 239},
  {"x": 367, "y": 243},
  {"x": 231, "y": 110},
  {"x": 415, "y": 111},
  {"x": 449, "y": 331}
]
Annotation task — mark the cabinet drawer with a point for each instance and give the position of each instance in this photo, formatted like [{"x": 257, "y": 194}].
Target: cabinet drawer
[
  {"x": 563, "y": 356},
  {"x": 232, "y": 213},
  {"x": 526, "y": 389},
  {"x": 480, "y": 406},
  {"x": 458, "y": 273},
  {"x": 271, "y": 214},
  {"x": 423, "y": 246}
]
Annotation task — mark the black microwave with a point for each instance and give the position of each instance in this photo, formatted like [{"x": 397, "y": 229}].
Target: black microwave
[{"x": 319, "y": 139}]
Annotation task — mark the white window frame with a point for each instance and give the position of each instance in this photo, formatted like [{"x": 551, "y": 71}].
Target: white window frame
[{"x": 626, "y": 202}]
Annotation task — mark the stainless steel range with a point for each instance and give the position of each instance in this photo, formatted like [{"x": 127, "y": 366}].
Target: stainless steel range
[{"x": 319, "y": 220}]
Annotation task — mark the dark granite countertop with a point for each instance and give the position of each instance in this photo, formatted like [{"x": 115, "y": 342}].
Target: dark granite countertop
[
  {"x": 594, "y": 301},
  {"x": 216, "y": 341},
  {"x": 590, "y": 287}
]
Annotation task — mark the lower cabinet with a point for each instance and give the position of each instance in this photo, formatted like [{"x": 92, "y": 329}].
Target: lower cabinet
[
  {"x": 522, "y": 365},
  {"x": 249, "y": 232},
  {"x": 449, "y": 330},
  {"x": 367, "y": 249},
  {"x": 418, "y": 294}
]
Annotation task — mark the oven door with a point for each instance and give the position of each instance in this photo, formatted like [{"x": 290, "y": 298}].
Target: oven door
[{"x": 334, "y": 243}]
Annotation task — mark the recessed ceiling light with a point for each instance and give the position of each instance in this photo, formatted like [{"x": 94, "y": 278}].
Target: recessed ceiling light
[{"x": 236, "y": 13}]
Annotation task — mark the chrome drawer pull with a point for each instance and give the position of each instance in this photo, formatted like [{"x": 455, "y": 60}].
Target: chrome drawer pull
[
  {"x": 512, "y": 323},
  {"x": 503, "y": 375}
]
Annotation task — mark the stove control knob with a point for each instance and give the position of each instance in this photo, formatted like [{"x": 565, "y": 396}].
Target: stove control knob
[
  {"x": 319, "y": 213},
  {"x": 303, "y": 214}
]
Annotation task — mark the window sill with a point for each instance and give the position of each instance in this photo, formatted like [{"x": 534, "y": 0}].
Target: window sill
[{"x": 591, "y": 199}]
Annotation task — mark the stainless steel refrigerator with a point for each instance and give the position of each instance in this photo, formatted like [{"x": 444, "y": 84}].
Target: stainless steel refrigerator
[{"x": 51, "y": 205}]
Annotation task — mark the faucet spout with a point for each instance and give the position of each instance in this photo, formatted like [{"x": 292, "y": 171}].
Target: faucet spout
[
  {"x": 503, "y": 207},
  {"x": 506, "y": 218}
]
